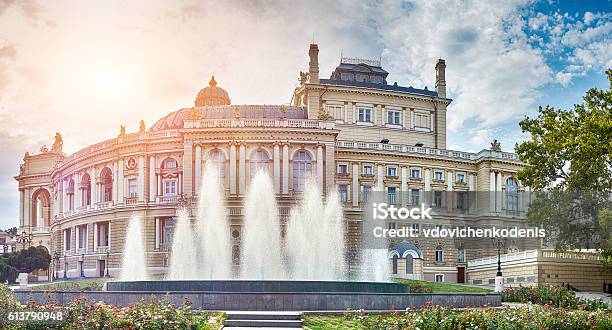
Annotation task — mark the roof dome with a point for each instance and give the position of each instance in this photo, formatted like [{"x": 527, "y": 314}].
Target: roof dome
[{"x": 212, "y": 95}]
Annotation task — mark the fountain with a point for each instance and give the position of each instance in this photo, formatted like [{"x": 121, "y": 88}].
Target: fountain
[
  {"x": 133, "y": 264},
  {"x": 213, "y": 227},
  {"x": 261, "y": 248},
  {"x": 183, "y": 262},
  {"x": 315, "y": 237},
  {"x": 305, "y": 273}
]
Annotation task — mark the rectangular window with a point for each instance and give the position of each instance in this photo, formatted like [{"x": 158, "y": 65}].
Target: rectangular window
[
  {"x": 367, "y": 170},
  {"x": 415, "y": 173},
  {"x": 342, "y": 169},
  {"x": 415, "y": 197},
  {"x": 392, "y": 195},
  {"x": 393, "y": 118},
  {"x": 461, "y": 255},
  {"x": 103, "y": 234},
  {"x": 343, "y": 191},
  {"x": 82, "y": 236},
  {"x": 391, "y": 225},
  {"x": 366, "y": 193},
  {"x": 133, "y": 188},
  {"x": 421, "y": 120},
  {"x": 460, "y": 177},
  {"x": 439, "y": 278},
  {"x": 437, "y": 199},
  {"x": 336, "y": 111},
  {"x": 67, "y": 239},
  {"x": 365, "y": 115},
  {"x": 461, "y": 200},
  {"x": 439, "y": 255},
  {"x": 439, "y": 175},
  {"x": 170, "y": 188},
  {"x": 391, "y": 171}
]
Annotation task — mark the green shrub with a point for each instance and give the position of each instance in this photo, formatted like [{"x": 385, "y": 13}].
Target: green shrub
[{"x": 559, "y": 296}]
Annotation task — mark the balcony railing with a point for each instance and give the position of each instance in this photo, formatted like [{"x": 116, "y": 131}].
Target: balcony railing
[
  {"x": 168, "y": 199},
  {"x": 408, "y": 149}
]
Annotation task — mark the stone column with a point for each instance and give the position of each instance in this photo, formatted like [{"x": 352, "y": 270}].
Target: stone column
[
  {"x": 179, "y": 184},
  {"x": 472, "y": 196},
  {"x": 320, "y": 168},
  {"x": 404, "y": 187},
  {"x": 492, "y": 192},
  {"x": 121, "y": 183},
  {"x": 94, "y": 186},
  {"x": 188, "y": 169},
  {"x": 160, "y": 188},
  {"x": 276, "y": 159},
  {"x": 95, "y": 237},
  {"x": 285, "y": 168},
  {"x": 355, "y": 184},
  {"x": 232, "y": 168},
  {"x": 380, "y": 175},
  {"x": 198, "y": 169},
  {"x": 498, "y": 191},
  {"x": 109, "y": 235},
  {"x": 21, "y": 207},
  {"x": 115, "y": 182},
  {"x": 152, "y": 179},
  {"x": 242, "y": 169},
  {"x": 141, "y": 179},
  {"x": 156, "y": 233},
  {"x": 77, "y": 191}
]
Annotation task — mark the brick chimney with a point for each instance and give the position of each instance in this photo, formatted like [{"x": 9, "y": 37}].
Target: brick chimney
[
  {"x": 441, "y": 78},
  {"x": 313, "y": 70}
]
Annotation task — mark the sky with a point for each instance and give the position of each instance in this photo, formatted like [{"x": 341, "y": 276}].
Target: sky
[{"x": 84, "y": 68}]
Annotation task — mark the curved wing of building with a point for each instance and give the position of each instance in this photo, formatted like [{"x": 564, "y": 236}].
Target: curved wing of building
[{"x": 354, "y": 132}]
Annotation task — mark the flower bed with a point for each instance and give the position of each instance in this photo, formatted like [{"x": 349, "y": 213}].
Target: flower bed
[
  {"x": 436, "y": 317},
  {"x": 82, "y": 313},
  {"x": 554, "y": 296}
]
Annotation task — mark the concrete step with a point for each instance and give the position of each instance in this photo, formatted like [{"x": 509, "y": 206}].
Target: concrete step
[
  {"x": 263, "y": 323},
  {"x": 263, "y": 315}
]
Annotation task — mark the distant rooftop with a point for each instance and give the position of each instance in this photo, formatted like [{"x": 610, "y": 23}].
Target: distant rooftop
[{"x": 385, "y": 87}]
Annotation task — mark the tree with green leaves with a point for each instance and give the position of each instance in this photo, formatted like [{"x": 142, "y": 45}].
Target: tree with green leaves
[{"x": 569, "y": 165}]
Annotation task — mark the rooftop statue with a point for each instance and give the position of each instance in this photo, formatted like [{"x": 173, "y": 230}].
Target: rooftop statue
[
  {"x": 58, "y": 145},
  {"x": 495, "y": 145}
]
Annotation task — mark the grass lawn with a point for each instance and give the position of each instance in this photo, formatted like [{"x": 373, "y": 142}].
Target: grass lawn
[
  {"x": 93, "y": 284},
  {"x": 425, "y": 286},
  {"x": 320, "y": 322}
]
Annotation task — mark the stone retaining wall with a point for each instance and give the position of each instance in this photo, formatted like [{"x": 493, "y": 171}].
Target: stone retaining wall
[{"x": 302, "y": 301}]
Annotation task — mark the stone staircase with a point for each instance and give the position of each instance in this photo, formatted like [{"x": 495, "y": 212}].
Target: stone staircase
[{"x": 262, "y": 320}]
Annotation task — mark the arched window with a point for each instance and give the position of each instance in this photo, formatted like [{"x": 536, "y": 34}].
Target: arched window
[
  {"x": 512, "y": 196},
  {"x": 395, "y": 264},
  {"x": 409, "y": 264},
  {"x": 86, "y": 190},
  {"x": 439, "y": 254},
  {"x": 70, "y": 193},
  {"x": 217, "y": 158},
  {"x": 302, "y": 168},
  {"x": 170, "y": 163},
  {"x": 106, "y": 177},
  {"x": 260, "y": 161},
  {"x": 41, "y": 212}
]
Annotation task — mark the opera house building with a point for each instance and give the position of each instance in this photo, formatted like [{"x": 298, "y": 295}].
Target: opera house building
[{"x": 354, "y": 132}]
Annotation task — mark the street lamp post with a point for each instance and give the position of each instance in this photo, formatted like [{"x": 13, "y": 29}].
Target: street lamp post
[
  {"x": 499, "y": 279},
  {"x": 65, "y": 267},
  {"x": 106, "y": 264},
  {"x": 24, "y": 239},
  {"x": 56, "y": 257},
  {"x": 82, "y": 265}
]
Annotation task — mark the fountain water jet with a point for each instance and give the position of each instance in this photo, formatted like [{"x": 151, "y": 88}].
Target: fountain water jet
[
  {"x": 183, "y": 262},
  {"x": 213, "y": 227},
  {"x": 133, "y": 264},
  {"x": 261, "y": 239},
  {"x": 315, "y": 237}
]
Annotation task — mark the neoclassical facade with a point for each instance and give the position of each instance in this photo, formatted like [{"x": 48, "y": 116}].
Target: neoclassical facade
[{"x": 354, "y": 132}]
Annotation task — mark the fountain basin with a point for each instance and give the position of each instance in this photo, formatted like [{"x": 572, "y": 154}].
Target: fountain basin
[{"x": 258, "y": 286}]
